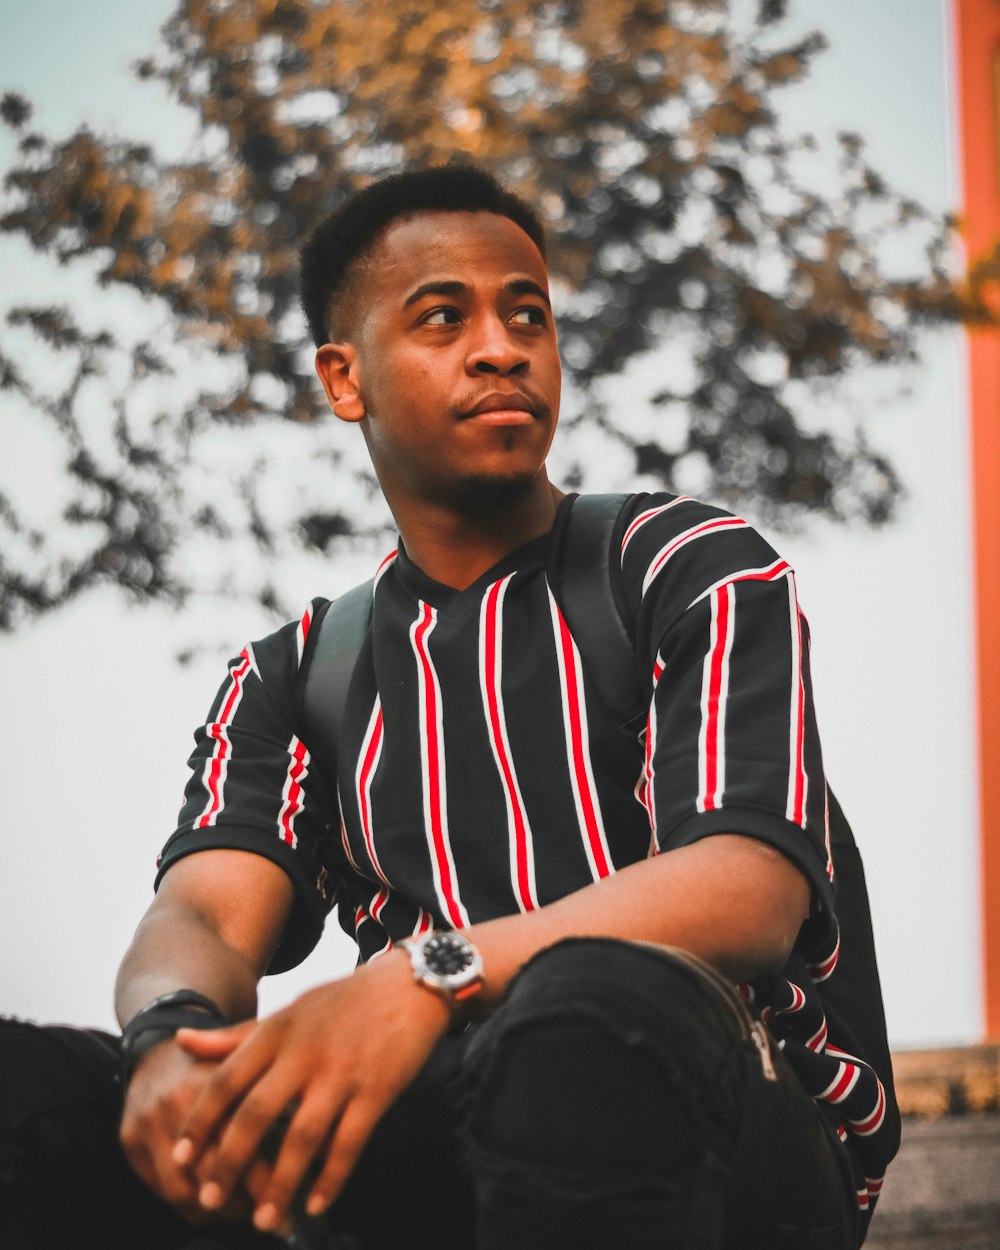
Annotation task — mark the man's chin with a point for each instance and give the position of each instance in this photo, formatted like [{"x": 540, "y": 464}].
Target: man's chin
[{"x": 484, "y": 492}]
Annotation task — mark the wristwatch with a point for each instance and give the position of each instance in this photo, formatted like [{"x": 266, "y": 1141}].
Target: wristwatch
[{"x": 447, "y": 963}]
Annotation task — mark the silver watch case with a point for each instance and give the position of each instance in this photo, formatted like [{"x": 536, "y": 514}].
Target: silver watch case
[{"x": 447, "y": 963}]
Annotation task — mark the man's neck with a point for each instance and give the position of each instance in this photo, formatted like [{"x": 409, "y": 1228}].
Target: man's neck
[{"x": 455, "y": 547}]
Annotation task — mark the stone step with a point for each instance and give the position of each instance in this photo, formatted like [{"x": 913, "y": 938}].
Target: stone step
[{"x": 943, "y": 1190}]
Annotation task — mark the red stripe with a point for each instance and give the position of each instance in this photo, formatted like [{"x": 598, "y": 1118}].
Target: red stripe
[
  {"x": 220, "y": 752},
  {"x": 378, "y": 903},
  {"x": 293, "y": 804},
  {"x": 520, "y": 833},
  {"x": 839, "y": 1088},
  {"x": 714, "y": 694},
  {"x": 304, "y": 626},
  {"x": 433, "y": 768},
  {"x": 367, "y": 766},
  {"x": 867, "y": 1126},
  {"x": 576, "y": 747},
  {"x": 800, "y": 736}
]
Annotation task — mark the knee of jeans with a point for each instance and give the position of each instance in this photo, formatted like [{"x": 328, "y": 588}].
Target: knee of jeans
[
  {"x": 640, "y": 993},
  {"x": 588, "y": 1064}
]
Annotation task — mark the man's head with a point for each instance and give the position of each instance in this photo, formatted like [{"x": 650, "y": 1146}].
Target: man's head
[
  {"x": 436, "y": 336},
  {"x": 343, "y": 243}
]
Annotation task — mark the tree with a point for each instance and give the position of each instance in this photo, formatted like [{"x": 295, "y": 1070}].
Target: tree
[{"x": 687, "y": 247}]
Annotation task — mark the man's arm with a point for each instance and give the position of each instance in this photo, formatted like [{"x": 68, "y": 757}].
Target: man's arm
[
  {"x": 212, "y": 927},
  {"x": 342, "y": 1053}
]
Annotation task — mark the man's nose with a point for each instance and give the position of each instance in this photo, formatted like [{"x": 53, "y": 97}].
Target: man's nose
[{"x": 495, "y": 351}]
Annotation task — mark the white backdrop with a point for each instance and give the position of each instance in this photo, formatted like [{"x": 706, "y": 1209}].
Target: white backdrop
[{"x": 96, "y": 714}]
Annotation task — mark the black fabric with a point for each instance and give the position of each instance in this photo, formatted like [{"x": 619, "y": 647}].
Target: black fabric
[{"x": 611, "y": 1100}]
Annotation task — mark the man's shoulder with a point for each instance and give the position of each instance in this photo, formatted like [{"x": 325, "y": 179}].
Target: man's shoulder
[{"x": 681, "y": 545}]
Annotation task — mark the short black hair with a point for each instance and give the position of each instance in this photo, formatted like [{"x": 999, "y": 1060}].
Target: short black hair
[{"x": 348, "y": 233}]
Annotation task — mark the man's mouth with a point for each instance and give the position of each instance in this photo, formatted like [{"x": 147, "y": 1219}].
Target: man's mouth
[{"x": 502, "y": 408}]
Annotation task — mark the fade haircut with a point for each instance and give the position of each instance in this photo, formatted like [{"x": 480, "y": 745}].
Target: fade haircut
[{"x": 347, "y": 236}]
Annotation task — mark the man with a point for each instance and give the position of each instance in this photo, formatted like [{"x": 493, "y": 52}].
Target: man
[{"x": 577, "y": 1068}]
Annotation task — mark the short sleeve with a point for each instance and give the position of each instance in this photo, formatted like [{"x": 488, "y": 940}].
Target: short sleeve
[
  {"x": 252, "y": 786},
  {"x": 732, "y": 742}
]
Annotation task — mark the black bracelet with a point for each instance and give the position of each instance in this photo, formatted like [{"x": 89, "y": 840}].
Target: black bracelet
[{"x": 160, "y": 1020}]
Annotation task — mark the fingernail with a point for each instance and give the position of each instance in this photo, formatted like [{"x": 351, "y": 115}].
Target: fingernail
[
  {"x": 316, "y": 1204},
  {"x": 210, "y": 1195},
  {"x": 266, "y": 1217},
  {"x": 183, "y": 1150}
]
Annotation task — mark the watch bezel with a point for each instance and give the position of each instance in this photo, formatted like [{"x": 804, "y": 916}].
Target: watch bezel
[{"x": 450, "y": 984}]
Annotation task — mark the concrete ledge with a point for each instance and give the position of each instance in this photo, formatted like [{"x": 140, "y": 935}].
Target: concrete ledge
[
  {"x": 932, "y": 1083},
  {"x": 943, "y": 1190}
]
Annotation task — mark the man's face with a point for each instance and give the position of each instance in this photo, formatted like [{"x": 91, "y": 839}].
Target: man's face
[{"x": 454, "y": 361}]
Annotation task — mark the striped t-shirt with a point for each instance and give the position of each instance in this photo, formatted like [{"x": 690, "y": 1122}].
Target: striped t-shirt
[{"x": 481, "y": 774}]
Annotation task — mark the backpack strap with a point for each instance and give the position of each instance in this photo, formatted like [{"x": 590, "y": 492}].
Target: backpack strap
[
  {"x": 586, "y": 578},
  {"x": 339, "y": 636}
]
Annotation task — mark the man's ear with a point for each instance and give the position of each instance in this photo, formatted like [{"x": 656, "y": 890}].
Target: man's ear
[{"x": 337, "y": 367}]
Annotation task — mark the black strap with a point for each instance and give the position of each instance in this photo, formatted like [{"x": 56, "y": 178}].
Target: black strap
[
  {"x": 160, "y": 1020},
  {"x": 585, "y": 576},
  {"x": 339, "y": 636}
]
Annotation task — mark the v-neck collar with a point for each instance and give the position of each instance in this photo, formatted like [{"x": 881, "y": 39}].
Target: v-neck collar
[{"x": 447, "y": 598}]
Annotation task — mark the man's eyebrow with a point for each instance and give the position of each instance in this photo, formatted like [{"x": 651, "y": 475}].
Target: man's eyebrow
[
  {"x": 525, "y": 286},
  {"x": 436, "y": 287},
  {"x": 446, "y": 286}
]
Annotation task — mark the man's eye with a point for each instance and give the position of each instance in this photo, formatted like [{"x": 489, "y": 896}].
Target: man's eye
[
  {"x": 442, "y": 316},
  {"x": 530, "y": 315}
]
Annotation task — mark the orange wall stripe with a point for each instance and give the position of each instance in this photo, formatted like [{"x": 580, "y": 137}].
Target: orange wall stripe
[{"x": 977, "y": 38}]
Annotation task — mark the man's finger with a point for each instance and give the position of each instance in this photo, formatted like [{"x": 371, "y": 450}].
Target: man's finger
[
  {"x": 304, "y": 1138},
  {"x": 349, "y": 1139},
  {"x": 225, "y": 1088},
  {"x": 213, "y": 1043},
  {"x": 241, "y": 1137}
]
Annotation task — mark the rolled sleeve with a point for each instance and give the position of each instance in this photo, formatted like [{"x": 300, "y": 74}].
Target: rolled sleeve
[
  {"x": 732, "y": 745},
  {"x": 252, "y": 788}
]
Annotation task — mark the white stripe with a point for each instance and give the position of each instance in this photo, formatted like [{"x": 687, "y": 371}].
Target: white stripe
[
  {"x": 248, "y": 651},
  {"x": 365, "y": 790},
  {"x": 442, "y": 794},
  {"x": 704, "y": 529},
  {"x": 425, "y": 921},
  {"x": 222, "y": 739},
  {"x": 793, "y": 718},
  {"x": 343, "y": 834},
  {"x": 764, "y": 573},
  {"x": 648, "y": 515},
  {"x": 501, "y": 750},
  {"x": 649, "y": 755},
  {"x": 585, "y": 746},
  {"x": 286, "y": 790}
]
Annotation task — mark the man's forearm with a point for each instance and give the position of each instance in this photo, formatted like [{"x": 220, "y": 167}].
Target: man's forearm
[
  {"x": 213, "y": 927},
  {"x": 732, "y": 901},
  {"x": 174, "y": 949}
]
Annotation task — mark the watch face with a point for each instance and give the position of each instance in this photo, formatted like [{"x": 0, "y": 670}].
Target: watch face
[{"x": 447, "y": 954}]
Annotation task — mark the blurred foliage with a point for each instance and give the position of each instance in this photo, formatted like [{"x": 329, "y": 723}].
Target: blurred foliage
[{"x": 646, "y": 134}]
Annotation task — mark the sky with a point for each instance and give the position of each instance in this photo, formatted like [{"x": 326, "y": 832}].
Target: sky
[{"x": 97, "y": 715}]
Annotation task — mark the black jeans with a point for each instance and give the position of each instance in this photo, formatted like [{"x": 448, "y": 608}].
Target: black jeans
[{"x": 613, "y": 1102}]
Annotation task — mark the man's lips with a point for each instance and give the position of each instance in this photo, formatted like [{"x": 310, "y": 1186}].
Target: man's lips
[{"x": 500, "y": 408}]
